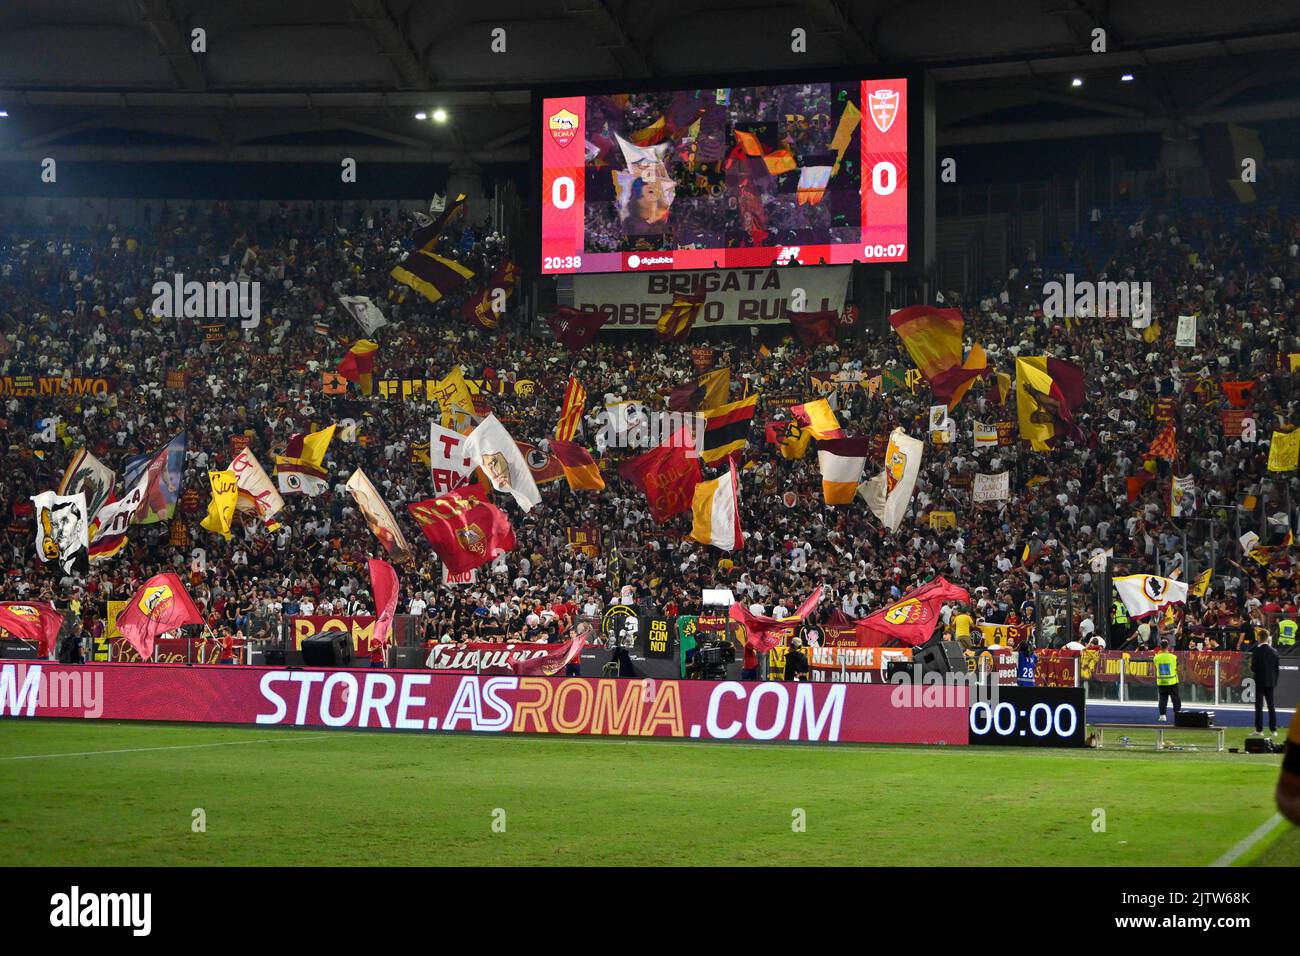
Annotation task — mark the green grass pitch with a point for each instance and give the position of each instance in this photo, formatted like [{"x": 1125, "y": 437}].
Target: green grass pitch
[{"x": 88, "y": 794}]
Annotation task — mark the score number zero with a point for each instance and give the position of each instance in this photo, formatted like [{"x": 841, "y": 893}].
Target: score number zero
[{"x": 1044, "y": 719}]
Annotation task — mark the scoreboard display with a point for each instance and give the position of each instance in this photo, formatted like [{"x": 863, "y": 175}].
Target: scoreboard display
[{"x": 726, "y": 177}]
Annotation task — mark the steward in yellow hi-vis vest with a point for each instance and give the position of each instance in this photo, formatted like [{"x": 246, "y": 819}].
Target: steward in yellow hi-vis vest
[
  {"x": 1167, "y": 680},
  {"x": 1286, "y": 630}
]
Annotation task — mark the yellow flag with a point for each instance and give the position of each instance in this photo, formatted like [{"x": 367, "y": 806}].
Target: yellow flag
[
  {"x": 451, "y": 391},
  {"x": 717, "y": 388},
  {"x": 795, "y": 442},
  {"x": 1202, "y": 583},
  {"x": 316, "y": 444},
  {"x": 1284, "y": 450},
  {"x": 221, "y": 509}
]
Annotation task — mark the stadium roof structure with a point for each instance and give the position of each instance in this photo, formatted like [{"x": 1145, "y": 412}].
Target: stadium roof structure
[{"x": 117, "y": 79}]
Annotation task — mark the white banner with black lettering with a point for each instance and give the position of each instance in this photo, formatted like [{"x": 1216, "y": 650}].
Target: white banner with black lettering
[
  {"x": 759, "y": 296},
  {"x": 991, "y": 487}
]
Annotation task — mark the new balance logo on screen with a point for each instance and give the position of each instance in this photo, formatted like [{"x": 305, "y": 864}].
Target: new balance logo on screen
[
  {"x": 76, "y": 909},
  {"x": 787, "y": 255}
]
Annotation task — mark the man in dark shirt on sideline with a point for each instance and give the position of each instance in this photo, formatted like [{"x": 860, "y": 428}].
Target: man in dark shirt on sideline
[{"x": 1264, "y": 665}]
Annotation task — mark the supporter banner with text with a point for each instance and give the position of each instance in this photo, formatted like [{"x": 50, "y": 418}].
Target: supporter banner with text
[
  {"x": 361, "y": 627},
  {"x": 51, "y": 386},
  {"x": 854, "y": 665},
  {"x": 732, "y": 296},
  {"x": 421, "y": 700},
  {"x": 482, "y": 657},
  {"x": 1055, "y": 668}
]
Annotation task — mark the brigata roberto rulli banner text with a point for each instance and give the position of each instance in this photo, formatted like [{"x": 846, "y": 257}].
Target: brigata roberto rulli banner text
[{"x": 423, "y": 701}]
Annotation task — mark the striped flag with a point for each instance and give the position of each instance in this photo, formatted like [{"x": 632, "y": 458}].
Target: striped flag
[
  {"x": 819, "y": 418},
  {"x": 359, "y": 364},
  {"x": 1165, "y": 444},
  {"x": 431, "y": 275},
  {"x": 842, "y": 461},
  {"x": 575, "y": 401},
  {"x": 715, "y": 509},
  {"x": 580, "y": 469},
  {"x": 726, "y": 428}
]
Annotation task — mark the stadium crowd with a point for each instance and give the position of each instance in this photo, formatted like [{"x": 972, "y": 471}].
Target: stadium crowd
[{"x": 67, "y": 308}]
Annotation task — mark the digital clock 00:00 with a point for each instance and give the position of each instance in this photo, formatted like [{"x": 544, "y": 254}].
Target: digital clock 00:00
[{"x": 1030, "y": 717}]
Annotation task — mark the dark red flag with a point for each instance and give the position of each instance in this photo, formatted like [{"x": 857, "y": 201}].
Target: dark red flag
[
  {"x": 384, "y": 587},
  {"x": 913, "y": 617},
  {"x": 816, "y": 328},
  {"x": 553, "y": 661},
  {"x": 668, "y": 476},
  {"x": 32, "y": 621},
  {"x": 764, "y": 633},
  {"x": 464, "y": 528},
  {"x": 160, "y": 606},
  {"x": 575, "y": 328}
]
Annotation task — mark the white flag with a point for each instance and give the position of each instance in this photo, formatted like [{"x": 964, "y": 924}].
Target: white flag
[
  {"x": 365, "y": 312},
  {"x": 490, "y": 447},
  {"x": 986, "y": 435},
  {"x": 889, "y": 493},
  {"x": 1182, "y": 496},
  {"x": 1186, "y": 337},
  {"x": 1145, "y": 594},
  {"x": 448, "y": 465},
  {"x": 256, "y": 493},
  {"x": 62, "y": 534}
]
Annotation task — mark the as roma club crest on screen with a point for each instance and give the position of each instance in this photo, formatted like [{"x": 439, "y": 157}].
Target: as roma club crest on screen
[{"x": 563, "y": 126}]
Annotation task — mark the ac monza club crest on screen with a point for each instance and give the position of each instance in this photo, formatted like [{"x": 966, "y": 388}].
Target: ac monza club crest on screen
[
  {"x": 563, "y": 126},
  {"x": 883, "y": 106}
]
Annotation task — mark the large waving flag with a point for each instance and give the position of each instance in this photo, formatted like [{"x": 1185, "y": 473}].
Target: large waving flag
[
  {"x": 160, "y": 606},
  {"x": 225, "y": 498},
  {"x": 490, "y": 447},
  {"x": 431, "y": 228},
  {"x": 678, "y": 316},
  {"x": 32, "y": 621},
  {"x": 1047, "y": 392},
  {"x": 709, "y": 391},
  {"x": 889, "y": 493},
  {"x": 365, "y": 311},
  {"x": 575, "y": 403},
  {"x": 789, "y": 436},
  {"x": 87, "y": 474},
  {"x": 667, "y": 475},
  {"x": 483, "y": 308},
  {"x": 431, "y": 275},
  {"x": 842, "y": 461},
  {"x": 575, "y": 328},
  {"x": 726, "y": 428},
  {"x": 359, "y": 364},
  {"x": 913, "y": 617},
  {"x": 819, "y": 418},
  {"x": 715, "y": 510},
  {"x": 464, "y": 529},
  {"x": 764, "y": 633},
  {"x": 164, "y": 472},
  {"x": 62, "y": 529},
  {"x": 384, "y": 587},
  {"x": 580, "y": 469},
  {"x": 256, "y": 493},
  {"x": 933, "y": 338},
  {"x": 301, "y": 469},
  {"x": 1147, "y": 594},
  {"x": 378, "y": 516},
  {"x": 553, "y": 661}
]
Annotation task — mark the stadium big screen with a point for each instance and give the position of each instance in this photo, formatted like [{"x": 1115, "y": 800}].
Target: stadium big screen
[{"x": 735, "y": 176}]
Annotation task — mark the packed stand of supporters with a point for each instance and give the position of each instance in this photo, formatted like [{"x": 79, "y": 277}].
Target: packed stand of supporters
[{"x": 67, "y": 307}]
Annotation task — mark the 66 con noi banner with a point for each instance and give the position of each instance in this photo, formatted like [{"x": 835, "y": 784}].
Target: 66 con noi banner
[{"x": 424, "y": 701}]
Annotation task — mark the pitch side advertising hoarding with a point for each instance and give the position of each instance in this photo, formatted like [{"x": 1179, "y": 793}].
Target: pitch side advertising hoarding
[{"x": 423, "y": 701}]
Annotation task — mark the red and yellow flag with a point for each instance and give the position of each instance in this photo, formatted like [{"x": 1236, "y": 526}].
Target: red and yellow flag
[
  {"x": 933, "y": 338},
  {"x": 678, "y": 316},
  {"x": 575, "y": 401},
  {"x": 359, "y": 363}
]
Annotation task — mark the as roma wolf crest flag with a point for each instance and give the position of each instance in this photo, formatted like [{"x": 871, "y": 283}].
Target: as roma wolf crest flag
[
  {"x": 160, "y": 606},
  {"x": 464, "y": 529},
  {"x": 933, "y": 338},
  {"x": 764, "y": 633},
  {"x": 32, "y": 621},
  {"x": 889, "y": 493},
  {"x": 716, "y": 512},
  {"x": 679, "y": 315},
  {"x": 1048, "y": 391},
  {"x": 667, "y": 475},
  {"x": 1147, "y": 594},
  {"x": 913, "y": 617}
]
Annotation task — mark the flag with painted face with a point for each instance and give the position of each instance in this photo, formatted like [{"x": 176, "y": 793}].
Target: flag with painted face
[{"x": 62, "y": 530}]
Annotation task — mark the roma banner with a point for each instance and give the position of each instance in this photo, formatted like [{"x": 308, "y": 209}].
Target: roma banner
[
  {"x": 759, "y": 296},
  {"x": 854, "y": 665},
  {"x": 359, "y": 627},
  {"x": 419, "y": 700}
]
